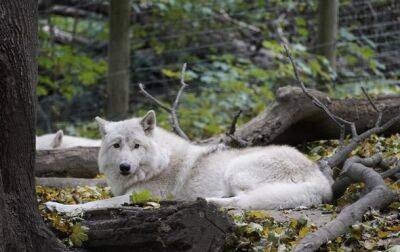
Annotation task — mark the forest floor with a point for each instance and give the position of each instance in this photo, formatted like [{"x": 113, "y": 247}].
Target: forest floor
[{"x": 270, "y": 230}]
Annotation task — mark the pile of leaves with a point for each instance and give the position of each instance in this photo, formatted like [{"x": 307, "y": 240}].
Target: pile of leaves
[
  {"x": 266, "y": 230},
  {"x": 69, "y": 228}
]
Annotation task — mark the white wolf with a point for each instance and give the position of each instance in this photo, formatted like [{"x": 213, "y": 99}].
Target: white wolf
[
  {"x": 136, "y": 155},
  {"x": 60, "y": 141}
]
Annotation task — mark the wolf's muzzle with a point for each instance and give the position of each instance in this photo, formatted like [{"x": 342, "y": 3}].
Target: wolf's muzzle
[{"x": 124, "y": 168}]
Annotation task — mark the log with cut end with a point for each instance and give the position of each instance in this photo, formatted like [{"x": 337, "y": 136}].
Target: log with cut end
[
  {"x": 78, "y": 162},
  {"x": 293, "y": 119},
  {"x": 175, "y": 226}
]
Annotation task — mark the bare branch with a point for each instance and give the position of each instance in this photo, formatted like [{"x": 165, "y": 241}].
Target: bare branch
[
  {"x": 173, "y": 114},
  {"x": 232, "y": 128},
  {"x": 233, "y": 139},
  {"x": 369, "y": 99},
  {"x": 379, "y": 111},
  {"x": 155, "y": 100},
  {"x": 378, "y": 196},
  {"x": 340, "y": 122},
  {"x": 341, "y": 155}
]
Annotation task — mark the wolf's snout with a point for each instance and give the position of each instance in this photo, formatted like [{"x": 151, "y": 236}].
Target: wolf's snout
[{"x": 124, "y": 168}]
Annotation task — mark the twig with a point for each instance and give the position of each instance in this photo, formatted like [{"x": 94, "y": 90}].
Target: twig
[
  {"x": 155, "y": 100},
  {"x": 341, "y": 155},
  {"x": 232, "y": 128},
  {"x": 379, "y": 111},
  {"x": 340, "y": 122},
  {"x": 235, "y": 140},
  {"x": 173, "y": 115},
  {"x": 379, "y": 196},
  {"x": 355, "y": 170},
  {"x": 391, "y": 173}
]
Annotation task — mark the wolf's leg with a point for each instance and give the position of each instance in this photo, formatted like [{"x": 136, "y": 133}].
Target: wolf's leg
[
  {"x": 98, "y": 204},
  {"x": 278, "y": 196}
]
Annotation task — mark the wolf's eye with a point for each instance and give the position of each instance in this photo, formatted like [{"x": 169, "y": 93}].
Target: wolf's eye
[
  {"x": 136, "y": 146},
  {"x": 116, "y": 145}
]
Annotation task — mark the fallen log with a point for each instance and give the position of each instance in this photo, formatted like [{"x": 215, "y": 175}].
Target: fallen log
[
  {"x": 78, "y": 162},
  {"x": 69, "y": 182},
  {"x": 293, "y": 119},
  {"x": 175, "y": 226}
]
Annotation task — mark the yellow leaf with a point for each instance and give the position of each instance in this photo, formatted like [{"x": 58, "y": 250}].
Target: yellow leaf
[
  {"x": 293, "y": 223},
  {"x": 257, "y": 214},
  {"x": 383, "y": 234},
  {"x": 303, "y": 232}
]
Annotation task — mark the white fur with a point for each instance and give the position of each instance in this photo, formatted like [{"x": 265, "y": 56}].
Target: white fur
[
  {"x": 60, "y": 141},
  {"x": 272, "y": 177}
]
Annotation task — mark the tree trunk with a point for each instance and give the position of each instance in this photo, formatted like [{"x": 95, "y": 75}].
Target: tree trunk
[
  {"x": 78, "y": 162},
  {"x": 118, "y": 60},
  {"x": 327, "y": 29},
  {"x": 176, "y": 226},
  {"x": 21, "y": 227},
  {"x": 294, "y": 119}
]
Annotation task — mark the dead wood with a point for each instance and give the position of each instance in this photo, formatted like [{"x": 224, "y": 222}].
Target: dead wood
[
  {"x": 293, "y": 119},
  {"x": 79, "y": 162},
  {"x": 378, "y": 196},
  {"x": 69, "y": 182},
  {"x": 176, "y": 226},
  {"x": 173, "y": 110},
  {"x": 355, "y": 170}
]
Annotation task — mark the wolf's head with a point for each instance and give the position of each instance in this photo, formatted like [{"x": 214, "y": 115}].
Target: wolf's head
[
  {"x": 128, "y": 151},
  {"x": 50, "y": 141}
]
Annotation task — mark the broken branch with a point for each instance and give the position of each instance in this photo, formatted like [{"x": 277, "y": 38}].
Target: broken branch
[
  {"x": 378, "y": 196},
  {"x": 173, "y": 114}
]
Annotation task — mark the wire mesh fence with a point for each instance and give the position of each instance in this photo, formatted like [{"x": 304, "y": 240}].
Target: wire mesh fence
[{"x": 161, "y": 43}]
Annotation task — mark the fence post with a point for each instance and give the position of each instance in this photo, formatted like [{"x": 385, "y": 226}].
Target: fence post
[
  {"x": 327, "y": 29},
  {"x": 118, "y": 60}
]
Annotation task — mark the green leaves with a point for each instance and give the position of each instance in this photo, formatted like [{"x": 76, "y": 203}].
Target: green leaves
[
  {"x": 79, "y": 234},
  {"x": 139, "y": 198}
]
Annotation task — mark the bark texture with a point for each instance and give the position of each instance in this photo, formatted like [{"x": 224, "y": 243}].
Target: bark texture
[
  {"x": 118, "y": 60},
  {"x": 176, "y": 226},
  {"x": 78, "y": 162},
  {"x": 293, "y": 119},
  {"x": 21, "y": 227}
]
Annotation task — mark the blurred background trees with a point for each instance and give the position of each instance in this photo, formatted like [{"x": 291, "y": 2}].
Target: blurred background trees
[{"x": 232, "y": 49}]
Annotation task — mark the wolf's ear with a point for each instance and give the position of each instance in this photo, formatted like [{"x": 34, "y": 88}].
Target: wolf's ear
[
  {"x": 148, "y": 122},
  {"x": 57, "y": 140},
  {"x": 102, "y": 125}
]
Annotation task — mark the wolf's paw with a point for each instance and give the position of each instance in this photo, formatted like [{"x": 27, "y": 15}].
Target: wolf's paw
[
  {"x": 61, "y": 208},
  {"x": 222, "y": 202}
]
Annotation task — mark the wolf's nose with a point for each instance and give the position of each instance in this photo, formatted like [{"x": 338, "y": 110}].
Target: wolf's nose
[{"x": 124, "y": 167}]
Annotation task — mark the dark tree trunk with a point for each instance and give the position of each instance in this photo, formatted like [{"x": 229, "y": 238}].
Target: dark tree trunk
[{"x": 21, "y": 227}]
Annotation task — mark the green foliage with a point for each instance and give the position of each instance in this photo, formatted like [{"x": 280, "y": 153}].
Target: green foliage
[
  {"x": 79, "y": 234},
  {"x": 222, "y": 79},
  {"x": 139, "y": 198}
]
